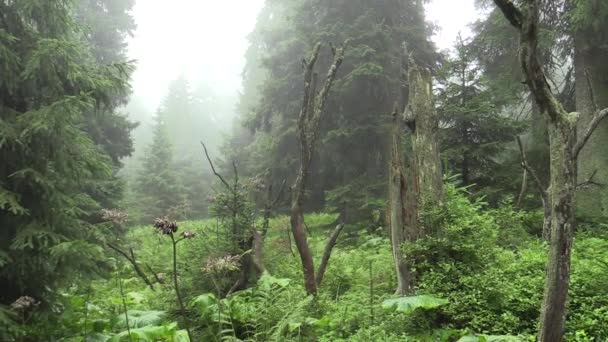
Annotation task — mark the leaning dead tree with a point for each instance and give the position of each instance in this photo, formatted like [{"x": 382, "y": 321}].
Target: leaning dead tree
[
  {"x": 313, "y": 104},
  {"x": 564, "y": 147}
]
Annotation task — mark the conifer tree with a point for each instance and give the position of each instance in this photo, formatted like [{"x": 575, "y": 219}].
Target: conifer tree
[
  {"x": 475, "y": 131},
  {"x": 51, "y": 83},
  {"x": 157, "y": 185}
]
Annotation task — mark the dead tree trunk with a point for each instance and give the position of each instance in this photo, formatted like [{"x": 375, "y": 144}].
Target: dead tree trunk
[
  {"x": 313, "y": 104},
  {"x": 564, "y": 150},
  {"x": 402, "y": 220},
  {"x": 421, "y": 117}
]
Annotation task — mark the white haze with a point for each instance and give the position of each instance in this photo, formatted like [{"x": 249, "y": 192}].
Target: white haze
[{"x": 205, "y": 40}]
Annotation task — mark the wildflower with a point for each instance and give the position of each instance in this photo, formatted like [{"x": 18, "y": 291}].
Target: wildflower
[
  {"x": 220, "y": 264},
  {"x": 24, "y": 303},
  {"x": 188, "y": 234},
  {"x": 165, "y": 226},
  {"x": 115, "y": 216}
]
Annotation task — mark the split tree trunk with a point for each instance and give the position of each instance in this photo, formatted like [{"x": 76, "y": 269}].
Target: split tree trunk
[
  {"x": 309, "y": 120},
  {"x": 564, "y": 150}
]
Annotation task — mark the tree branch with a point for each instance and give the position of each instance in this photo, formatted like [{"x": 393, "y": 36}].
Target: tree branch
[
  {"x": 530, "y": 170},
  {"x": 327, "y": 252},
  {"x": 589, "y": 181},
  {"x": 213, "y": 168},
  {"x": 133, "y": 262},
  {"x": 595, "y": 121},
  {"x": 511, "y": 12}
]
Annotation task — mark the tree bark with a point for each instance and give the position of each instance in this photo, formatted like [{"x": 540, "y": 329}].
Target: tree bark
[
  {"x": 423, "y": 120},
  {"x": 398, "y": 198},
  {"x": 313, "y": 105},
  {"x": 564, "y": 149}
]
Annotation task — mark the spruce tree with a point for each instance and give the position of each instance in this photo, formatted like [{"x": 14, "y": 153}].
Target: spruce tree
[
  {"x": 476, "y": 131},
  {"x": 51, "y": 84},
  {"x": 157, "y": 185}
]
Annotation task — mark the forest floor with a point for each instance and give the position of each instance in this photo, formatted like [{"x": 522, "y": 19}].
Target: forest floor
[{"x": 500, "y": 298}]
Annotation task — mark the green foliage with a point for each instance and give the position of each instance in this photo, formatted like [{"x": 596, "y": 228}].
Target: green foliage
[
  {"x": 476, "y": 133},
  {"x": 157, "y": 185},
  {"x": 53, "y": 86},
  {"x": 409, "y": 304},
  {"x": 353, "y": 159}
]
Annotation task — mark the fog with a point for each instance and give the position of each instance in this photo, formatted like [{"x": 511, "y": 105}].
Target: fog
[
  {"x": 202, "y": 39},
  {"x": 205, "y": 41}
]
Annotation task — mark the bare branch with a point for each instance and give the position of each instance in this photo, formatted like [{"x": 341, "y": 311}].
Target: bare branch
[
  {"x": 213, "y": 168},
  {"x": 589, "y": 182},
  {"x": 133, "y": 262},
  {"x": 595, "y": 121},
  {"x": 530, "y": 170},
  {"x": 327, "y": 252},
  {"x": 280, "y": 193}
]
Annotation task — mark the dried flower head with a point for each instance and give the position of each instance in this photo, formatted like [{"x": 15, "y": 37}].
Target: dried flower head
[
  {"x": 115, "y": 216},
  {"x": 188, "y": 234},
  {"x": 222, "y": 264},
  {"x": 24, "y": 303},
  {"x": 165, "y": 226}
]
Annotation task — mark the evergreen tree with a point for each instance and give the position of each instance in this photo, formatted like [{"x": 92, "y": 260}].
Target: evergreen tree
[
  {"x": 51, "y": 84},
  {"x": 476, "y": 131},
  {"x": 353, "y": 163},
  {"x": 157, "y": 184},
  {"x": 106, "y": 25}
]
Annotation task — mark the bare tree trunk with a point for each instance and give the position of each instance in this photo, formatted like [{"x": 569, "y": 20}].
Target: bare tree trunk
[
  {"x": 397, "y": 197},
  {"x": 423, "y": 120},
  {"x": 564, "y": 150},
  {"x": 309, "y": 120}
]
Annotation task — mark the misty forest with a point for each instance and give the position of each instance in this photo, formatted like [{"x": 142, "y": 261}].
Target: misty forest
[{"x": 303, "y": 170}]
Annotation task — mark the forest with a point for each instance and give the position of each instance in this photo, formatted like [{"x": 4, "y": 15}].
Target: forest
[{"x": 360, "y": 183}]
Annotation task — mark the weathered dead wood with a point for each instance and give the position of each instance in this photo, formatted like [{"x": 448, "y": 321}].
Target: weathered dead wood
[
  {"x": 397, "y": 210},
  {"x": 313, "y": 105},
  {"x": 422, "y": 119}
]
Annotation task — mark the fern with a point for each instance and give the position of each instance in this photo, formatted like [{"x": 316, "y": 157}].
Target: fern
[
  {"x": 409, "y": 304},
  {"x": 140, "y": 318}
]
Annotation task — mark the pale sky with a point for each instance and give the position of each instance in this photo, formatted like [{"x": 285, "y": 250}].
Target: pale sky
[{"x": 207, "y": 39}]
